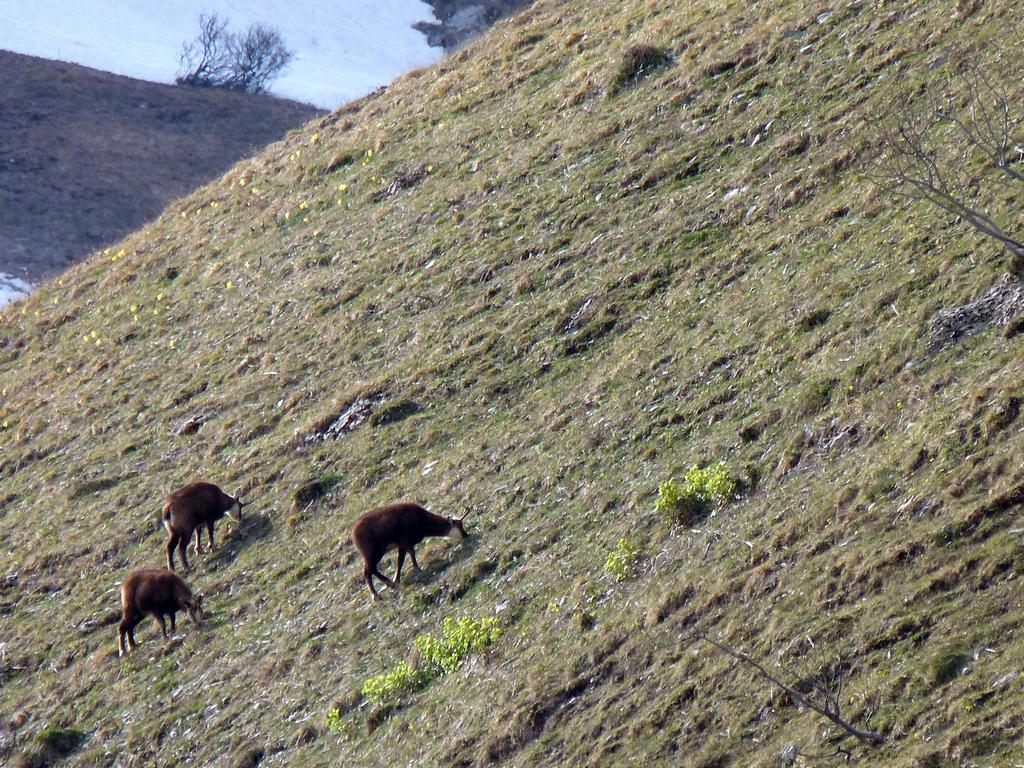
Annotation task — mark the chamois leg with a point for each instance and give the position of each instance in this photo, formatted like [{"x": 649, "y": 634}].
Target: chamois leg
[
  {"x": 198, "y": 547},
  {"x": 412, "y": 554},
  {"x": 171, "y": 544},
  {"x": 122, "y": 633},
  {"x": 132, "y": 622},
  {"x": 174, "y": 629},
  {"x": 388, "y": 582},
  {"x": 368, "y": 575},
  {"x": 183, "y": 551},
  {"x": 398, "y": 570},
  {"x": 209, "y": 530},
  {"x": 162, "y": 624}
]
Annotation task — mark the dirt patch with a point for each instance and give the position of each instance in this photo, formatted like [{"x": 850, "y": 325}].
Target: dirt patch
[{"x": 88, "y": 156}]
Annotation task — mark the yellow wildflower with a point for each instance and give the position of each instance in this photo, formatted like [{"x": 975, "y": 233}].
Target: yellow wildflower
[{"x": 315, "y": 138}]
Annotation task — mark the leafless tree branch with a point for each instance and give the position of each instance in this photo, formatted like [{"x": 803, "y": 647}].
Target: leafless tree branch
[
  {"x": 920, "y": 161},
  {"x": 203, "y": 62},
  {"x": 828, "y": 705}
]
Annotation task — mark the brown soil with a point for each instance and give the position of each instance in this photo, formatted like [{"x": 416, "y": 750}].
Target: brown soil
[{"x": 88, "y": 156}]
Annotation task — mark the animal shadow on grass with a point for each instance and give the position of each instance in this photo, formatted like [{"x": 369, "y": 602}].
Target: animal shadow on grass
[
  {"x": 440, "y": 562},
  {"x": 254, "y": 527}
]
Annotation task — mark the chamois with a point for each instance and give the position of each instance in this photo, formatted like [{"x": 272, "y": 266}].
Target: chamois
[
  {"x": 191, "y": 507},
  {"x": 398, "y": 526},
  {"x": 158, "y": 593}
]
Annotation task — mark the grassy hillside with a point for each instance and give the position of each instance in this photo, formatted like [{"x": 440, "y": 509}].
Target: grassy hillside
[
  {"x": 86, "y": 156},
  {"x": 504, "y": 283}
]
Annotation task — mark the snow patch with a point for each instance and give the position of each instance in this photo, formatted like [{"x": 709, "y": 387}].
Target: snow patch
[
  {"x": 343, "y": 48},
  {"x": 12, "y": 288}
]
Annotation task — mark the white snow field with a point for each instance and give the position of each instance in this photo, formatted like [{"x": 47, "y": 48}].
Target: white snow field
[
  {"x": 343, "y": 49},
  {"x": 12, "y": 288}
]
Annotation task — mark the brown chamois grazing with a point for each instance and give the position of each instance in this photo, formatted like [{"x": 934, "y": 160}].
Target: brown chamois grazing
[
  {"x": 191, "y": 507},
  {"x": 398, "y": 527},
  {"x": 158, "y": 593}
]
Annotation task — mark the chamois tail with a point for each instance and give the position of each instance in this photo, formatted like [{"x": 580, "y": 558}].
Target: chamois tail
[{"x": 167, "y": 517}]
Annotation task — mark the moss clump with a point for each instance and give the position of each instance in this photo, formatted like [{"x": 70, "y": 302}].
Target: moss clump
[
  {"x": 312, "y": 490},
  {"x": 948, "y": 666},
  {"x": 637, "y": 62},
  {"x": 51, "y": 746}
]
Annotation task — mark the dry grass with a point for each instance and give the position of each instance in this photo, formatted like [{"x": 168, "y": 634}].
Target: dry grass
[{"x": 582, "y": 297}]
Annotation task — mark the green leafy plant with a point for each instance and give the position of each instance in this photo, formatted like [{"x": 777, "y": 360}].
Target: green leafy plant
[
  {"x": 458, "y": 640},
  {"x": 333, "y": 720},
  {"x": 388, "y": 686},
  {"x": 436, "y": 657},
  {"x": 621, "y": 560},
  {"x": 701, "y": 491}
]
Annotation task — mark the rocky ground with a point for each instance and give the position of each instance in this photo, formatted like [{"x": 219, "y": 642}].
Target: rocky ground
[{"x": 460, "y": 21}]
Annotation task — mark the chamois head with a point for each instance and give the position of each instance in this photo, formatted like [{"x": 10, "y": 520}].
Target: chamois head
[
  {"x": 458, "y": 531},
  {"x": 234, "y": 512},
  {"x": 194, "y": 606}
]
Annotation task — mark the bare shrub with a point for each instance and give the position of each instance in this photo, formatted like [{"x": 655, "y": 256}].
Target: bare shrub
[
  {"x": 256, "y": 58},
  {"x": 219, "y": 58},
  {"x": 204, "y": 61}
]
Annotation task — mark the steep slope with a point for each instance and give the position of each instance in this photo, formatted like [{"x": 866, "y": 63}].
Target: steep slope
[
  {"x": 88, "y": 156},
  {"x": 502, "y": 283}
]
